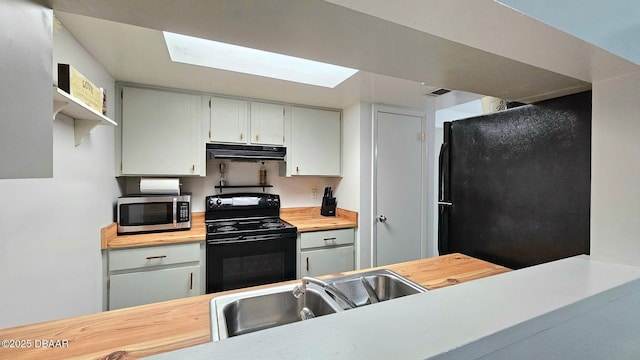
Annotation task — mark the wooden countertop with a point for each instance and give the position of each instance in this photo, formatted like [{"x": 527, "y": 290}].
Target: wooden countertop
[
  {"x": 305, "y": 219},
  {"x": 111, "y": 240},
  {"x": 309, "y": 219},
  {"x": 140, "y": 331}
]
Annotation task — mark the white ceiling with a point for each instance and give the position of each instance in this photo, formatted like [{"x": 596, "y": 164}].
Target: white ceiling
[
  {"x": 397, "y": 47},
  {"x": 613, "y": 25},
  {"x": 498, "y": 29},
  {"x": 139, "y": 55}
]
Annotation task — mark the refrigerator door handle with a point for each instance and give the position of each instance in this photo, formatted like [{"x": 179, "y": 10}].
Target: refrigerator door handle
[
  {"x": 443, "y": 172},
  {"x": 443, "y": 229}
]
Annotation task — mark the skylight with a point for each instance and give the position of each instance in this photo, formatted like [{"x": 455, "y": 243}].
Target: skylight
[{"x": 217, "y": 55}]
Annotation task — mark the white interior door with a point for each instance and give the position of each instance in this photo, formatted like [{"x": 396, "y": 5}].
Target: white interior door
[{"x": 399, "y": 189}]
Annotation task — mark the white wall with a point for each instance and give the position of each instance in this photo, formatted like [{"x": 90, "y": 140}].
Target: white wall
[
  {"x": 615, "y": 169},
  {"x": 25, "y": 67},
  {"x": 350, "y": 192},
  {"x": 293, "y": 191},
  {"x": 50, "y": 259}
]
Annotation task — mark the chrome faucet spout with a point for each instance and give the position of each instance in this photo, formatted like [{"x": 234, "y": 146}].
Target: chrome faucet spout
[
  {"x": 298, "y": 290},
  {"x": 332, "y": 290}
]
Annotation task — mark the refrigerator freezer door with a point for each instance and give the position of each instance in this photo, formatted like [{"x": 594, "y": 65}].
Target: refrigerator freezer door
[{"x": 519, "y": 181}]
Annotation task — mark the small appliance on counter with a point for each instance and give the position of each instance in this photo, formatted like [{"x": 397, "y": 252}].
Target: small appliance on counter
[
  {"x": 328, "y": 203},
  {"x": 139, "y": 213},
  {"x": 158, "y": 207}
]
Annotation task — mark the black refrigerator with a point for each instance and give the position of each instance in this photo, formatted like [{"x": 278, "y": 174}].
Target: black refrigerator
[{"x": 515, "y": 186}]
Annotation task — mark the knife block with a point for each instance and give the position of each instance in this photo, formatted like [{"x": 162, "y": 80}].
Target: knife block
[{"x": 328, "y": 206}]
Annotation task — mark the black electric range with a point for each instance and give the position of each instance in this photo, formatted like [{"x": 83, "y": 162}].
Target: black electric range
[{"x": 247, "y": 242}]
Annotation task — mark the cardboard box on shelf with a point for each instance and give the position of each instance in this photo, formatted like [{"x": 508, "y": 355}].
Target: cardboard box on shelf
[{"x": 75, "y": 84}]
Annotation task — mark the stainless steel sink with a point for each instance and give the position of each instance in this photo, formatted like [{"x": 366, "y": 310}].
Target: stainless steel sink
[
  {"x": 385, "y": 284},
  {"x": 250, "y": 311},
  {"x": 255, "y": 310}
]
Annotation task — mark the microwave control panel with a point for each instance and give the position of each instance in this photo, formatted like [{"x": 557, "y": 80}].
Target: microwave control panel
[{"x": 183, "y": 211}]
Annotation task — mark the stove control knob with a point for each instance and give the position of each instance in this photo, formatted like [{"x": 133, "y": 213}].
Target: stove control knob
[{"x": 214, "y": 202}]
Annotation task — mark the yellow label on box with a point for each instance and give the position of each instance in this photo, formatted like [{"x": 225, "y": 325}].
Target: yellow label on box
[{"x": 84, "y": 90}]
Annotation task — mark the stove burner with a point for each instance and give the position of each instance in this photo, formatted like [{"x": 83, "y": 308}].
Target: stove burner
[
  {"x": 271, "y": 225},
  {"x": 226, "y": 228}
]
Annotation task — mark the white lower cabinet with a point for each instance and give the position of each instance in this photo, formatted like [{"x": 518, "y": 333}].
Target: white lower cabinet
[
  {"x": 326, "y": 252},
  {"x": 145, "y": 287},
  {"x": 326, "y": 261},
  {"x": 155, "y": 273}
]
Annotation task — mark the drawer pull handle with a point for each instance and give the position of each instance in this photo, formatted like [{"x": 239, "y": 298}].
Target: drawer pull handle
[
  {"x": 307, "y": 264},
  {"x": 330, "y": 239},
  {"x": 191, "y": 281},
  {"x": 156, "y": 257}
]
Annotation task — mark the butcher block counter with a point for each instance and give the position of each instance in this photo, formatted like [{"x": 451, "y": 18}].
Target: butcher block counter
[
  {"x": 145, "y": 330},
  {"x": 304, "y": 218},
  {"x": 309, "y": 219},
  {"x": 111, "y": 240}
]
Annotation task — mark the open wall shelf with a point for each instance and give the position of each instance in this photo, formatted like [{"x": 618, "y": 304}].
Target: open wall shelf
[
  {"x": 242, "y": 186},
  {"x": 85, "y": 118}
]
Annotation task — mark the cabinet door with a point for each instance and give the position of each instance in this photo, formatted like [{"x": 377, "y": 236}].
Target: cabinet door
[
  {"x": 326, "y": 261},
  {"x": 267, "y": 123},
  {"x": 315, "y": 142},
  {"x": 229, "y": 120},
  {"x": 161, "y": 133},
  {"x": 145, "y": 287}
]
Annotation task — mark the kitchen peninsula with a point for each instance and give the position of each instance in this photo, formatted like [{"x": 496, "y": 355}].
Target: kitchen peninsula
[{"x": 146, "y": 330}]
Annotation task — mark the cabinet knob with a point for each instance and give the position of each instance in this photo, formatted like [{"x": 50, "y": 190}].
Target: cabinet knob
[
  {"x": 297, "y": 170},
  {"x": 307, "y": 264},
  {"x": 241, "y": 136},
  {"x": 193, "y": 167},
  {"x": 257, "y": 137}
]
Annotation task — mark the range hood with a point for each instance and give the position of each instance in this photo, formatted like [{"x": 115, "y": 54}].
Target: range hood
[{"x": 245, "y": 152}]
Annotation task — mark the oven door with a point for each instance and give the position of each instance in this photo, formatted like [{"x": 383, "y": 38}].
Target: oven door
[{"x": 250, "y": 260}]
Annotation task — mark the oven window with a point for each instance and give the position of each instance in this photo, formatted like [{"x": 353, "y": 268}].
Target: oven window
[
  {"x": 252, "y": 270},
  {"x": 146, "y": 214},
  {"x": 238, "y": 264}
]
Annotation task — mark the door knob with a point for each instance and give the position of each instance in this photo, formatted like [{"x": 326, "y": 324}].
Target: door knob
[{"x": 382, "y": 218}]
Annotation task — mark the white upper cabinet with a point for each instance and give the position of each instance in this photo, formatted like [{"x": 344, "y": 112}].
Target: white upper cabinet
[
  {"x": 229, "y": 120},
  {"x": 161, "y": 133},
  {"x": 315, "y": 144},
  {"x": 267, "y": 123},
  {"x": 245, "y": 122}
]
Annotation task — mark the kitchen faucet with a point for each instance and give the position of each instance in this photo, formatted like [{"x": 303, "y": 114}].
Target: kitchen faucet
[{"x": 298, "y": 290}]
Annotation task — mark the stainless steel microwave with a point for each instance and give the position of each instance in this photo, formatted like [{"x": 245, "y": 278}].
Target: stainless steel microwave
[{"x": 149, "y": 213}]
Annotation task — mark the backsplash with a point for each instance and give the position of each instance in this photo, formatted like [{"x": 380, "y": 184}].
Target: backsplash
[{"x": 293, "y": 191}]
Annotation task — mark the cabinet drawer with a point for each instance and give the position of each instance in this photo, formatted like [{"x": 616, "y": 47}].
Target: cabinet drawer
[
  {"x": 153, "y": 256},
  {"x": 326, "y": 238}
]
